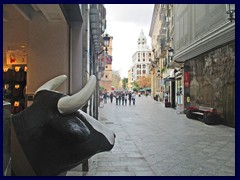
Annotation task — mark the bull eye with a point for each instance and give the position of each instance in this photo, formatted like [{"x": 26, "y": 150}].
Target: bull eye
[{"x": 71, "y": 128}]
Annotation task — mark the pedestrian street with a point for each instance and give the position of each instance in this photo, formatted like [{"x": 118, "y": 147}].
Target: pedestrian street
[{"x": 152, "y": 140}]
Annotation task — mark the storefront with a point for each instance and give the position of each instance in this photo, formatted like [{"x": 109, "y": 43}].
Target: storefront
[
  {"x": 41, "y": 41},
  {"x": 179, "y": 90},
  {"x": 170, "y": 88}
]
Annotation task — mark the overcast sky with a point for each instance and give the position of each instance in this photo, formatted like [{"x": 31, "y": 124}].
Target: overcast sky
[{"x": 124, "y": 23}]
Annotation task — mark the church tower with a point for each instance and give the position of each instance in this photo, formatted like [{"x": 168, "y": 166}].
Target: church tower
[{"x": 142, "y": 41}]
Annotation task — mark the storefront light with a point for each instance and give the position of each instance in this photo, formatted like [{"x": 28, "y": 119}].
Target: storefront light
[
  {"x": 230, "y": 10},
  {"x": 170, "y": 52}
]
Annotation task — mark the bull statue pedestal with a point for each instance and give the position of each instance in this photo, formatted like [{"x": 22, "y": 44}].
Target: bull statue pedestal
[{"x": 53, "y": 135}]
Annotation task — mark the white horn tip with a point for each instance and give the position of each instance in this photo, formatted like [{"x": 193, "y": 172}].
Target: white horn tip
[{"x": 53, "y": 83}]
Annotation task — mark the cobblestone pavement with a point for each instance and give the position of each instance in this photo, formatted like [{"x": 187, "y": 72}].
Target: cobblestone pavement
[{"x": 152, "y": 140}]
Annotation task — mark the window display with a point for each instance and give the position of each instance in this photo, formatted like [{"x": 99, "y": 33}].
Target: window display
[{"x": 14, "y": 83}]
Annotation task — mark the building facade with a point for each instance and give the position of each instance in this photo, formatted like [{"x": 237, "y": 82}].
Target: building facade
[
  {"x": 204, "y": 40},
  {"x": 201, "y": 38},
  {"x": 141, "y": 59},
  {"x": 154, "y": 67},
  {"x": 162, "y": 66}
]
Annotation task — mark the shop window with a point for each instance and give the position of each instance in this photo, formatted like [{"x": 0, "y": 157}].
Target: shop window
[{"x": 14, "y": 84}]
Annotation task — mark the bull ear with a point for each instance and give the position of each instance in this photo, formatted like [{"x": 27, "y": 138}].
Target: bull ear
[
  {"x": 53, "y": 83},
  {"x": 70, "y": 104}
]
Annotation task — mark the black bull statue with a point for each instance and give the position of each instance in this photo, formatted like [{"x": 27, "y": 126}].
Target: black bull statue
[{"x": 53, "y": 135}]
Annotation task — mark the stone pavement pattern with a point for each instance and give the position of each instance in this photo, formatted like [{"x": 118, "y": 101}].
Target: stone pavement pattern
[{"x": 152, "y": 140}]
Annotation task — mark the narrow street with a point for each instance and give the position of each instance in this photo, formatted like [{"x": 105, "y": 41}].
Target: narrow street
[{"x": 152, "y": 140}]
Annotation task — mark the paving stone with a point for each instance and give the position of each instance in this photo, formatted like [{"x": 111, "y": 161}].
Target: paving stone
[
  {"x": 144, "y": 173},
  {"x": 123, "y": 173},
  {"x": 74, "y": 173}
]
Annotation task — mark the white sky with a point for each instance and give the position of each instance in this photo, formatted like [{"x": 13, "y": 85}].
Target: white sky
[{"x": 124, "y": 23}]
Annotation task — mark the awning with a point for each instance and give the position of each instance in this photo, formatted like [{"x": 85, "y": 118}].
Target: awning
[
  {"x": 214, "y": 38},
  {"x": 168, "y": 78}
]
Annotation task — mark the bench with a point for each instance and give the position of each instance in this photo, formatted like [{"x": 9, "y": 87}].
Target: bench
[
  {"x": 203, "y": 110},
  {"x": 208, "y": 115}
]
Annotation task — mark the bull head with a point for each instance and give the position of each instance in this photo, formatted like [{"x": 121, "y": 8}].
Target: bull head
[{"x": 53, "y": 135}]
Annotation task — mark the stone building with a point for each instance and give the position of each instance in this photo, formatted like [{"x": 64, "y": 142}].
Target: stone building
[
  {"x": 204, "y": 40},
  {"x": 162, "y": 66}
]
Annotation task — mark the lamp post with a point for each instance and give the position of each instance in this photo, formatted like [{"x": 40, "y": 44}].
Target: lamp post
[
  {"x": 158, "y": 73},
  {"x": 230, "y": 10},
  {"x": 106, "y": 40},
  {"x": 170, "y": 52},
  {"x": 99, "y": 69}
]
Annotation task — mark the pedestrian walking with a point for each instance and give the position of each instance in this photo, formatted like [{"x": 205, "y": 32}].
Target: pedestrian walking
[
  {"x": 122, "y": 96},
  {"x": 111, "y": 97},
  {"x": 133, "y": 98},
  {"x": 105, "y": 97},
  {"x": 166, "y": 97},
  {"x": 129, "y": 97},
  {"x": 101, "y": 105},
  {"x": 125, "y": 98},
  {"x": 117, "y": 98}
]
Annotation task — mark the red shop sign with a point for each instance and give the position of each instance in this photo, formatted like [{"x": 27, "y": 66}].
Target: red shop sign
[{"x": 186, "y": 79}]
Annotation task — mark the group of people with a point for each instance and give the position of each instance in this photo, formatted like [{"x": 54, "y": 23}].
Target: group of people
[{"x": 121, "y": 97}]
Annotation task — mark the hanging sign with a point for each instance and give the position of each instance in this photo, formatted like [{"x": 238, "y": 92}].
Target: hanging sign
[
  {"x": 186, "y": 79},
  {"x": 16, "y": 57}
]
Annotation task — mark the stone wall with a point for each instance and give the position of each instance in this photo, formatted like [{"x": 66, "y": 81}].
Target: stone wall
[{"x": 212, "y": 83}]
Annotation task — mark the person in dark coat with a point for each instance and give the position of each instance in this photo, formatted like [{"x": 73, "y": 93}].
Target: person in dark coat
[
  {"x": 117, "y": 98},
  {"x": 122, "y": 96},
  {"x": 111, "y": 97},
  {"x": 125, "y": 98},
  {"x": 105, "y": 97},
  {"x": 129, "y": 97}
]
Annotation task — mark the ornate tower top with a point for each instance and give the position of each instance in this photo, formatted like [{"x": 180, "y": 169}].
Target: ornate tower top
[{"x": 142, "y": 40}]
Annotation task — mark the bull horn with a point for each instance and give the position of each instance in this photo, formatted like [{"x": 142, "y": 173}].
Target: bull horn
[
  {"x": 53, "y": 83},
  {"x": 70, "y": 104}
]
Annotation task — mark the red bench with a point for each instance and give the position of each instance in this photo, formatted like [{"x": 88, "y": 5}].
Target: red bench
[{"x": 208, "y": 115}]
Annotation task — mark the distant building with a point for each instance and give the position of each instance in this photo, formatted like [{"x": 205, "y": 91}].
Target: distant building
[{"x": 141, "y": 59}]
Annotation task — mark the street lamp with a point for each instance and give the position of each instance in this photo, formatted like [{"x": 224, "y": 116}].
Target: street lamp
[
  {"x": 106, "y": 40},
  {"x": 230, "y": 10},
  {"x": 170, "y": 53}
]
